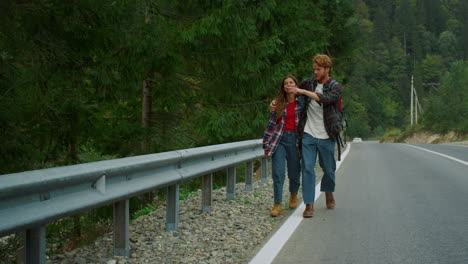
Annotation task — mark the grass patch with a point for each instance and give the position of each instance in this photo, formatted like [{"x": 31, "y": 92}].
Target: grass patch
[
  {"x": 186, "y": 193},
  {"x": 390, "y": 135},
  {"x": 411, "y": 130},
  {"x": 144, "y": 211},
  {"x": 8, "y": 249}
]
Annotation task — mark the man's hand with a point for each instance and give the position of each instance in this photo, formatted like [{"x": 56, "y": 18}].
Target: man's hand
[
  {"x": 265, "y": 156},
  {"x": 313, "y": 95},
  {"x": 296, "y": 91},
  {"x": 273, "y": 106}
]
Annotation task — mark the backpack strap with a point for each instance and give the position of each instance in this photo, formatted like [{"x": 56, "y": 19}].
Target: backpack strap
[{"x": 340, "y": 144}]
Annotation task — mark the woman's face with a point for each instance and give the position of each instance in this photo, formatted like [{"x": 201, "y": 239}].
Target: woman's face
[{"x": 288, "y": 84}]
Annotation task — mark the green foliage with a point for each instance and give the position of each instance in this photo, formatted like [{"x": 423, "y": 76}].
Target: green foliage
[
  {"x": 432, "y": 68},
  {"x": 89, "y": 154},
  {"x": 185, "y": 193},
  {"x": 448, "y": 46},
  {"x": 7, "y": 246},
  {"x": 72, "y": 73},
  {"x": 400, "y": 39},
  {"x": 448, "y": 108},
  {"x": 144, "y": 211},
  {"x": 357, "y": 115},
  {"x": 390, "y": 135},
  {"x": 409, "y": 132},
  {"x": 392, "y": 132}
]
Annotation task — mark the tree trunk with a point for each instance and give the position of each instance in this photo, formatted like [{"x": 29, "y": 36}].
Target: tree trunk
[
  {"x": 73, "y": 154},
  {"x": 73, "y": 141},
  {"x": 146, "y": 123},
  {"x": 146, "y": 107}
]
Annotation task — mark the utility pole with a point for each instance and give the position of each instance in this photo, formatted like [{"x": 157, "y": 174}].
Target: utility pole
[
  {"x": 415, "y": 106},
  {"x": 416, "y": 109},
  {"x": 412, "y": 100}
]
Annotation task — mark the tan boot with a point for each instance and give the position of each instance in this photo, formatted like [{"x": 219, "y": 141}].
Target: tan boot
[
  {"x": 293, "y": 201},
  {"x": 309, "y": 211},
  {"x": 276, "y": 210},
  {"x": 330, "y": 200}
]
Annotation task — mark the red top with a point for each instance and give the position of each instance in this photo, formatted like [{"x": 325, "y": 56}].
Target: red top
[{"x": 290, "y": 117}]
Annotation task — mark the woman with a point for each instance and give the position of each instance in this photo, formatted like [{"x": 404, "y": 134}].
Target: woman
[{"x": 279, "y": 142}]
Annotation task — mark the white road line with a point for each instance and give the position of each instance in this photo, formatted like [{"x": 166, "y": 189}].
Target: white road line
[
  {"x": 453, "y": 145},
  {"x": 440, "y": 154},
  {"x": 269, "y": 251}
]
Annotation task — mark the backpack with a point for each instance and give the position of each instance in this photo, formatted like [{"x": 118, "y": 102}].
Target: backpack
[
  {"x": 344, "y": 121},
  {"x": 341, "y": 137}
]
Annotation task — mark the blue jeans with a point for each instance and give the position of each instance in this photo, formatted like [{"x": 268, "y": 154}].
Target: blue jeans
[
  {"x": 286, "y": 150},
  {"x": 326, "y": 151}
]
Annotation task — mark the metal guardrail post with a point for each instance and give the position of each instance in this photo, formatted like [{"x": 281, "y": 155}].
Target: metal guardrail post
[
  {"x": 207, "y": 187},
  {"x": 249, "y": 176},
  {"x": 35, "y": 246},
  {"x": 270, "y": 168},
  {"x": 231, "y": 183},
  {"x": 121, "y": 234},
  {"x": 20, "y": 252},
  {"x": 264, "y": 170},
  {"x": 172, "y": 208}
]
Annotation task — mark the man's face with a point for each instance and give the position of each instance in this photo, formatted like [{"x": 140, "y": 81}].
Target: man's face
[{"x": 321, "y": 73}]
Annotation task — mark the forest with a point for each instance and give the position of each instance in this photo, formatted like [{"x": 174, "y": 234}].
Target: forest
[{"x": 87, "y": 80}]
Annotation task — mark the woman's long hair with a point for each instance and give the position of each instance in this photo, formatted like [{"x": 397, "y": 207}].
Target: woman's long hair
[{"x": 282, "y": 98}]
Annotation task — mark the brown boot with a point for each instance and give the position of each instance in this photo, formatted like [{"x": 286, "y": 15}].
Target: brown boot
[
  {"x": 309, "y": 211},
  {"x": 293, "y": 201},
  {"x": 276, "y": 210},
  {"x": 330, "y": 200}
]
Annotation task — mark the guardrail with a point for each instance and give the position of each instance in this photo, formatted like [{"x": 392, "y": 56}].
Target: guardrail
[{"x": 29, "y": 200}]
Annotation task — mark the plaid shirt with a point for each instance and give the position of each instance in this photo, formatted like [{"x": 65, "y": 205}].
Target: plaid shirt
[
  {"x": 275, "y": 129},
  {"x": 329, "y": 99}
]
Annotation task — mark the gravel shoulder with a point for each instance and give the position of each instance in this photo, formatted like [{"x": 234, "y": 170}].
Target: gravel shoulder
[{"x": 232, "y": 233}]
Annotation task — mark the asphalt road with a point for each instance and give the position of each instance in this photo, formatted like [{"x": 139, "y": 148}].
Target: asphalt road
[
  {"x": 395, "y": 204},
  {"x": 458, "y": 152}
]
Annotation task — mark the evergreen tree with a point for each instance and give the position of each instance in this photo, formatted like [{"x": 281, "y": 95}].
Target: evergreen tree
[{"x": 448, "y": 107}]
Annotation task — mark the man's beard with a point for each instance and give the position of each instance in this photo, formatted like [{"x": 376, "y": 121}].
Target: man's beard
[{"x": 320, "y": 78}]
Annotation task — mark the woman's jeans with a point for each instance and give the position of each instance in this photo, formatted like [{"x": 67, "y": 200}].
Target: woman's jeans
[
  {"x": 326, "y": 151},
  {"x": 286, "y": 150}
]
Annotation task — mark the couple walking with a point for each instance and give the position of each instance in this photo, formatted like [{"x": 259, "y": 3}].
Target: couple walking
[{"x": 303, "y": 124}]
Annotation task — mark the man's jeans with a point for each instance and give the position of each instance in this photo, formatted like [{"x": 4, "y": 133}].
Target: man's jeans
[
  {"x": 326, "y": 151},
  {"x": 286, "y": 150}
]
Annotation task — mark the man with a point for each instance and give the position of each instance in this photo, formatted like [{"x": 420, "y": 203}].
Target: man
[{"x": 320, "y": 127}]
